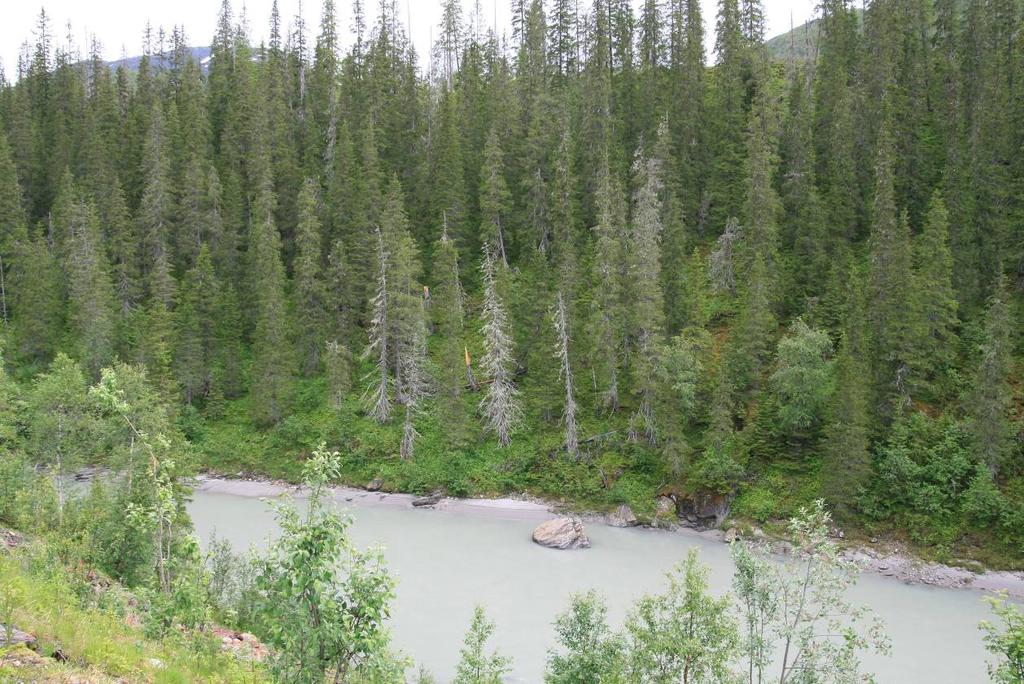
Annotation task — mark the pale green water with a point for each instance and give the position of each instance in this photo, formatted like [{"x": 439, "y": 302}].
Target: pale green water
[{"x": 448, "y": 561}]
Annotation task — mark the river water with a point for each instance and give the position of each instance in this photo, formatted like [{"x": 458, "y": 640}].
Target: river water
[{"x": 448, "y": 560}]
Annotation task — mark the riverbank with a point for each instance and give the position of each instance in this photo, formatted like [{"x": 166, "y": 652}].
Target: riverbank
[{"x": 879, "y": 560}]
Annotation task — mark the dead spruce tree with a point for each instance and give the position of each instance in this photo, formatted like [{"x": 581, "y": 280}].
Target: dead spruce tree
[
  {"x": 411, "y": 379},
  {"x": 499, "y": 406},
  {"x": 408, "y": 329},
  {"x": 721, "y": 271},
  {"x": 561, "y": 320}
]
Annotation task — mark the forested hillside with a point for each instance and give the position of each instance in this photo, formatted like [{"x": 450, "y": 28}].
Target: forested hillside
[{"x": 583, "y": 260}]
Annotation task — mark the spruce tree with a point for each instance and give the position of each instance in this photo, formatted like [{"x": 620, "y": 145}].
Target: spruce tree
[
  {"x": 91, "y": 304},
  {"x": 13, "y": 232},
  {"x": 889, "y": 283},
  {"x": 309, "y": 291},
  {"x": 448, "y": 315},
  {"x": 647, "y": 309},
  {"x": 37, "y": 290},
  {"x": 494, "y": 198},
  {"x": 500, "y": 406},
  {"x": 338, "y": 371},
  {"x": 761, "y": 208},
  {"x": 722, "y": 260},
  {"x": 156, "y": 206},
  {"x": 564, "y": 52},
  {"x": 846, "y": 462},
  {"x": 271, "y": 352},
  {"x": 564, "y": 214},
  {"x": 805, "y": 227},
  {"x": 123, "y": 249},
  {"x": 155, "y": 327},
  {"x": 754, "y": 328},
  {"x": 448, "y": 200},
  {"x": 196, "y": 321},
  {"x": 934, "y": 336},
  {"x": 411, "y": 380},
  {"x": 569, "y": 408},
  {"x": 378, "y": 393},
  {"x": 990, "y": 401},
  {"x": 341, "y": 309},
  {"x": 606, "y": 284},
  {"x": 728, "y": 110},
  {"x": 689, "y": 123},
  {"x": 228, "y": 379}
]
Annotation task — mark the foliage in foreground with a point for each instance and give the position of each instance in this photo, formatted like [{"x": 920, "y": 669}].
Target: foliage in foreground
[
  {"x": 1005, "y": 641},
  {"x": 786, "y": 622},
  {"x": 322, "y": 605},
  {"x": 88, "y": 624}
]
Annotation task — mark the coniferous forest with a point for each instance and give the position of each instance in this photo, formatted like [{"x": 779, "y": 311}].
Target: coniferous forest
[{"x": 606, "y": 257}]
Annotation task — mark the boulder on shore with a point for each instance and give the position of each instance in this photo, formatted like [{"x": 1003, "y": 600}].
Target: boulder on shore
[
  {"x": 562, "y": 533},
  {"x": 428, "y": 500},
  {"x": 622, "y": 517},
  {"x": 374, "y": 485}
]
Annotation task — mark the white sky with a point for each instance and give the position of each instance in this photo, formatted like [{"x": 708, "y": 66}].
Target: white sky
[{"x": 119, "y": 24}]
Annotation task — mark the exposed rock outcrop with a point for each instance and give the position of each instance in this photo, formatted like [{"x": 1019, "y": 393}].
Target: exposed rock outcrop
[
  {"x": 562, "y": 533},
  {"x": 664, "y": 507},
  {"x": 705, "y": 509}
]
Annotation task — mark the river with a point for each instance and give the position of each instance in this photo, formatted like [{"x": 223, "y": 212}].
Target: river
[{"x": 450, "y": 559}]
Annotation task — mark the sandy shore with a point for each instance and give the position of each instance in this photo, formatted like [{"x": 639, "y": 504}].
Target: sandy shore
[
  {"x": 519, "y": 509},
  {"x": 888, "y": 564}
]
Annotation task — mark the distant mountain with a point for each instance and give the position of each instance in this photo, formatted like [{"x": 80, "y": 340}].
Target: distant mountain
[
  {"x": 200, "y": 53},
  {"x": 798, "y": 44}
]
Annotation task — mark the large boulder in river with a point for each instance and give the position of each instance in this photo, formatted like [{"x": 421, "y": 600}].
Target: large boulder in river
[
  {"x": 622, "y": 517},
  {"x": 562, "y": 533}
]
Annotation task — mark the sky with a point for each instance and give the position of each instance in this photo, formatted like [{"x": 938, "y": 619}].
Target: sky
[{"x": 119, "y": 24}]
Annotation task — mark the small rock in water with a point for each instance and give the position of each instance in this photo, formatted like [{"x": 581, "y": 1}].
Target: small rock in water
[
  {"x": 562, "y": 533},
  {"x": 622, "y": 517},
  {"x": 731, "y": 535}
]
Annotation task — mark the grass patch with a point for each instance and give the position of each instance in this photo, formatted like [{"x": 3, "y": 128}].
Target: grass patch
[{"x": 94, "y": 634}]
